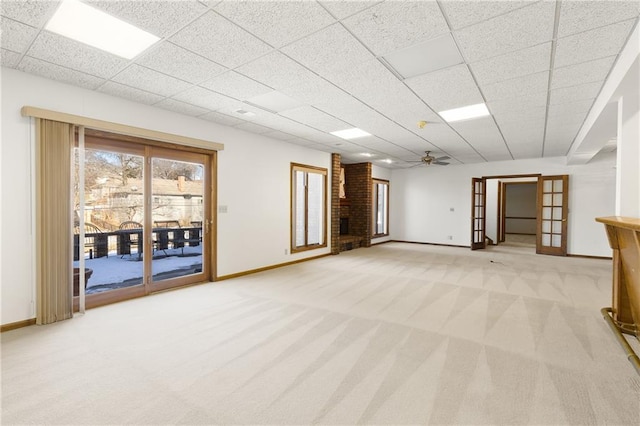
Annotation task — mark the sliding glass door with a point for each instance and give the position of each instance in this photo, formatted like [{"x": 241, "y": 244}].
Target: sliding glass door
[
  {"x": 178, "y": 217},
  {"x": 145, "y": 219}
]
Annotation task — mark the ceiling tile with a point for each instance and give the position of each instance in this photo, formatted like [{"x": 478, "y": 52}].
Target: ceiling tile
[
  {"x": 276, "y": 70},
  {"x": 181, "y": 107},
  {"x": 151, "y": 81},
  {"x": 274, "y": 101},
  {"x": 171, "y": 60},
  {"x": 294, "y": 19},
  {"x": 343, "y": 8},
  {"x": 127, "y": 92},
  {"x": 502, "y": 155},
  {"x": 575, "y": 93},
  {"x": 442, "y": 136},
  {"x": 391, "y": 97},
  {"x": 314, "y": 90},
  {"x": 516, "y": 30},
  {"x": 594, "y": 44},
  {"x": 558, "y": 145},
  {"x": 517, "y": 105},
  {"x": 15, "y": 35},
  {"x": 277, "y": 134},
  {"x": 524, "y": 142},
  {"x": 30, "y": 12},
  {"x": 219, "y": 118},
  {"x": 585, "y": 72},
  {"x": 570, "y": 108},
  {"x": 235, "y": 48},
  {"x": 161, "y": 18},
  {"x": 432, "y": 55},
  {"x": 236, "y": 86},
  {"x": 482, "y": 134},
  {"x": 72, "y": 54},
  {"x": 446, "y": 89},
  {"x": 253, "y": 128},
  {"x": 9, "y": 59},
  {"x": 315, "y": 118},
  {"x": 394, "y": 25},
  {"x": 517, "y": 87},
  {"x": 514, "y": 64},
  {"x": 578, "y": 16},
  {"x": 207, "y": 99},
  {"x": 532, "y": 149},
  {"x": 328, "y": 50},
  {"x": 465, "y": 13},
  {"x": 572, "y": 121},
  {"x": 521, "y": 117},
  {"x": 56, "y": 72}
]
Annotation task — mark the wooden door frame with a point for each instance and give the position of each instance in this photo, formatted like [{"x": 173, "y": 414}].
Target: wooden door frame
[{"x": 484, "y": 207}]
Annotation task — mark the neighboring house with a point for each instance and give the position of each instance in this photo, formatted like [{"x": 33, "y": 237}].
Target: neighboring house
[{"x": 111, "y": 203}]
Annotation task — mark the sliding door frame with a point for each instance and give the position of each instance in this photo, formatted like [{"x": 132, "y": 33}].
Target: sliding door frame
[{"x": 98, "y": 139}]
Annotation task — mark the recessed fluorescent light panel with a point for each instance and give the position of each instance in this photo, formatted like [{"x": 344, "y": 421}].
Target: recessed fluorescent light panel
[
  {"x": 91, "y": 26},
  {"x": 464, "y": 113},
  {"x": 274, "y": 102},
  {"x": 387, "y": 160},
  {"x": 350, "y": 133},
  {"x": 422, "y": 58},
  {"x": 367, "y": 154}
]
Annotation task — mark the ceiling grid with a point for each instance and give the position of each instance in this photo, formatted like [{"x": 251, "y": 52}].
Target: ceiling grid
[{"x": 307, "y": 68}]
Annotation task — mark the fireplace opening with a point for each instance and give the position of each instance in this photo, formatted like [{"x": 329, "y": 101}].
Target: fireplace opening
[{"x": 344, "y": 226}]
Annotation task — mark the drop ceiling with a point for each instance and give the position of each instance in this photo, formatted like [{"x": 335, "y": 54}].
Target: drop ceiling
[{"x": 308, "y": 68}]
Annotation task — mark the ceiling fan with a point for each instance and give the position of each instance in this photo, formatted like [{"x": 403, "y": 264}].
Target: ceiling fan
[{"x": 429, "y": 159}]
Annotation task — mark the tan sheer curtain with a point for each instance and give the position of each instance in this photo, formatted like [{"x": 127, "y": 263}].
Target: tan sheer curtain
[{"x": 54, "y": 142}]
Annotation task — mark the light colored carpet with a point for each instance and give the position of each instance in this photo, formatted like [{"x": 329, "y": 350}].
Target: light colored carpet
[{"x": 393, "y": 334}]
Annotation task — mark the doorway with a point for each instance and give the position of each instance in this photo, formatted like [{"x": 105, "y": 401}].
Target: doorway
[
  {"x": 551, "y": 211},
  {"x": 145, "y": 216},
  {"x": 517, "y": 213}
]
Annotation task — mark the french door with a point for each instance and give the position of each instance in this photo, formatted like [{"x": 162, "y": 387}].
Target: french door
[
  {"x": 478, "y": 213},
  {"x": 553, "y": 196},
  {"x": 552, "y": 214},
  {"x": 147, "y": 218}
]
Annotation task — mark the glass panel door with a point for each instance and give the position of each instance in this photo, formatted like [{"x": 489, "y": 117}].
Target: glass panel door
[
  {"x": 114, "y": 211},
  {"x": 478, "y": 198},
  {"x": 553, "y": 194},
  {"x": 178, "y": 218}
]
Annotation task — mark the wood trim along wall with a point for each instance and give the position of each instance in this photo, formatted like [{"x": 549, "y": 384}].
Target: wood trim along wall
[
  {"x": 267, "y": 268},
  {"x": 17, "y": 324},
  {"x": 30, "y": 111}
]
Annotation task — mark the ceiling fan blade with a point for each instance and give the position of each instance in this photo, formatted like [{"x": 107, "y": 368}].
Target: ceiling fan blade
[
  {"x": 440, "y": 163},
  {"x": 443, "y": 158}
]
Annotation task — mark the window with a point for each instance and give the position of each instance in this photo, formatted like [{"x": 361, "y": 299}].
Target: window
[
  {"x": 308, "y": 207},
  {"x": 380, "y": 208}
]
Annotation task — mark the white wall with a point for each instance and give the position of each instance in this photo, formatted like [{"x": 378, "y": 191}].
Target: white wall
[
  {"x": 422, "y": 199},
  {"x": 253, "y": 182}
]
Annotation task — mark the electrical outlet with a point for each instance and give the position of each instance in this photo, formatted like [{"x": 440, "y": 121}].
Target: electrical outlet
[
  {"x": 451, "y": 209},
  {"x": 222, "y": 209},
  {"x": 449, "y": 237},
  {"x": 286, "y": 251}
]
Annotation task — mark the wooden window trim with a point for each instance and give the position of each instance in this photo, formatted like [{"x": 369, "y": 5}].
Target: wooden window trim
[
  {"x": 307, "y": 169},
  {"x": 373, "y": 205}
]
